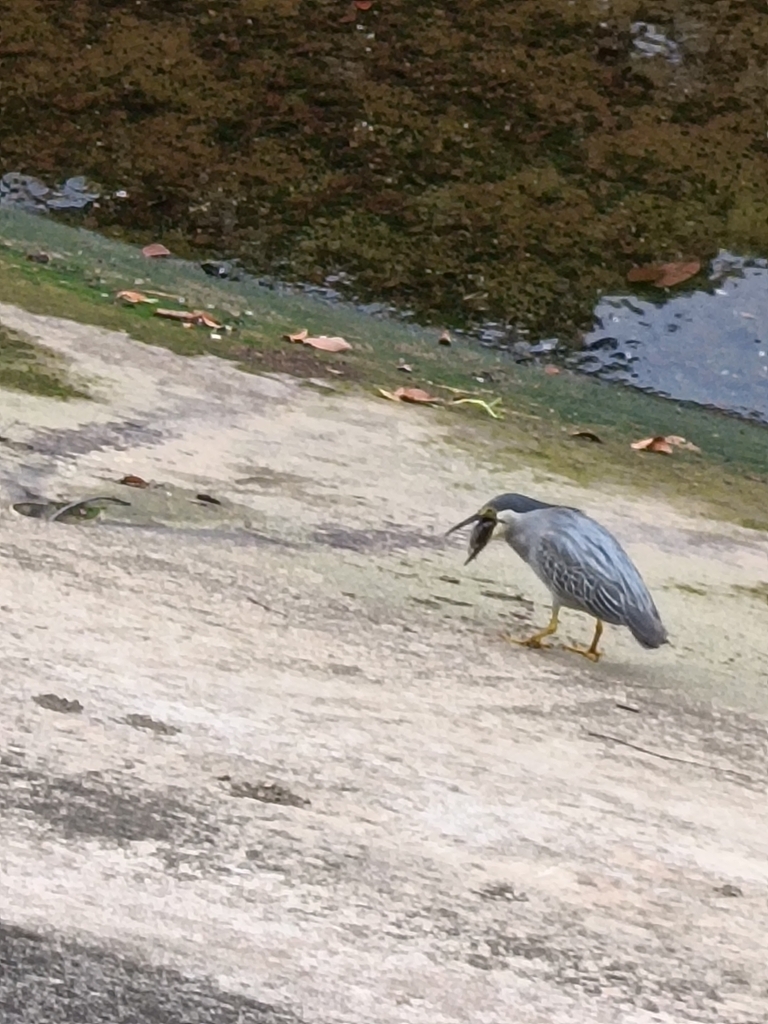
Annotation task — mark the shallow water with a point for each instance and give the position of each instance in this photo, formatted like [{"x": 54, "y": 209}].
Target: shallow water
[{"x": 708, "y": 347}]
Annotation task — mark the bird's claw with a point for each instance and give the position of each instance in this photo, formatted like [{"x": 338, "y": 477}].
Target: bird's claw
[
  {"x": 594, "y": 656},
  {"x": 533, "y": 642}
]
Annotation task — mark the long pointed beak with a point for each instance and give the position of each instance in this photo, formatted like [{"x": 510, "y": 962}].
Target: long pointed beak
[{"x": 464, "y": 522}]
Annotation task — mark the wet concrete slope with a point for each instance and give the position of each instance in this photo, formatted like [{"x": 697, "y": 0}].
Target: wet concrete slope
[{"x": 270, "y": 761}]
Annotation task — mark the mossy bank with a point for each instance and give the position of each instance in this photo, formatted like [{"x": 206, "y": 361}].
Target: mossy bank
[{"x": 540, "y": 411}]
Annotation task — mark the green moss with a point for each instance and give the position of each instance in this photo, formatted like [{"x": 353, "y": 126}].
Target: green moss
[
  {"x": 405, "y": 153},
  {"x": 25, "y": 366},
  {"x": 727, "y": 480},
  {"x": 760, "y": 591}
]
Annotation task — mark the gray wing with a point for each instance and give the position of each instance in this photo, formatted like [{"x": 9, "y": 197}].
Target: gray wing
[{"x": 586, "y": 568}]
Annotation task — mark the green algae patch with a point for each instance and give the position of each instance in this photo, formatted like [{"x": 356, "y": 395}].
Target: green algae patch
[{"x": 27, "y": 366}]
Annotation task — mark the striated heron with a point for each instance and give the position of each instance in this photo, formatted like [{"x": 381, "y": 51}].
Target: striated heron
[{"x": 582, "y": 565}]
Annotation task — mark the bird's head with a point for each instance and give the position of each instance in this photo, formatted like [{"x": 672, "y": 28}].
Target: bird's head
[
  {"x": 502, "y": 510},
  {"x": 485, "y": 522}
]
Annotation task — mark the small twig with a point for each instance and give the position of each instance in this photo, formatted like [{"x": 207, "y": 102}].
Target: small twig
[
  {"x": 490, "y": 407},
  {"x": 264, "y": 605},
  {"x": 459, "y": 391},
  {"x": 644, "y": 750},
  {"x": 667, "y": 757}
]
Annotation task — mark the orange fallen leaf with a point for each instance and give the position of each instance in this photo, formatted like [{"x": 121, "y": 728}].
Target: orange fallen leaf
[
  {"x": 165, "y": 295},
  {"x": 416, "y": 395},
  {"x": 133, "y": 297},
  {"x": 133, "y": 481},
  {"x": 155, "y": 249},
  {"x": 587, "y": 435},
  {"x": 664, "y": 275},
  {"x": 650, "y": 273},
  {"x": 207, "y": 321},
  {"x": 551, "y": 370},
  {"x": 676, "y": 273},
  {"x": 363, "y": 5},
  {"x": 326, "y": 344},
  {"x": 185, "y": 315},
  {"x": 298, "y": 336},
  {"x": 665, "y": 445},
  {"x": 189, "y": 317},
  {"x": 653, "y": 444},
  {"x": 680, "y": 442},
  {"x": 322, "y": 341}
]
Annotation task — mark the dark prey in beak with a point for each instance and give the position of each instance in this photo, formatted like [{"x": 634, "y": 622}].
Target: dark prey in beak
[{"x": 482, "y": 531}]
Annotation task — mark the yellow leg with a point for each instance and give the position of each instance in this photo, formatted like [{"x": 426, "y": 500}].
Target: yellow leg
[
  {"x": 535, "y": 640},
  {"x": 591, "y": 652}
]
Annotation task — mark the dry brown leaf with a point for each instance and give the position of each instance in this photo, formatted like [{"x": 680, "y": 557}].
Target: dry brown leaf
[
  {"x": 657, "y": 444},
  {"x": 326, "y": 344},
  {"x": 664, "y": 275},
  {"x": 185, "y": 315},
  {"x": 134, "y": 481},
  {"x": 189, "y": 317},
  {"x": 298, "y": 336},
  {"x": 133, "y": 297},
  {"x": 649, "y": 273},
  {"x": 680, "y": 442},
  {"x": 206, "y": 320},
  {"x": 551, "y": 371},
  {"x": 676, "y": 273},
  {"x": 587, "y": 435},
  {"x": 155, "y": 249},
  {"x": 416, "y": 395},
  {"x": 444, "y": 339},
  {"x": 665, "y": 445}
]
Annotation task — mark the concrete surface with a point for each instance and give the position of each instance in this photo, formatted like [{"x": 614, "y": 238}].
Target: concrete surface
[{"x": 269, "y": 761}]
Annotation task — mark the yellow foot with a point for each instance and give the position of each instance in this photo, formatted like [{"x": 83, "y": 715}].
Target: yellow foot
[
  {"x": 587, "y": 653},
  {"x": 533, "y": 641}
]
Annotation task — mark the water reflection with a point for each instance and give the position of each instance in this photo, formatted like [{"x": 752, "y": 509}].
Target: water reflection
[
  {"x": 26, "y": 192},
  {"x": 708, "y": 347},
  {"x": 650, "y": 41},
  {"x": 705, "y": 347}
]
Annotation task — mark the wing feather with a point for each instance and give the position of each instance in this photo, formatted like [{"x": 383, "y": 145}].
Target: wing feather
[{"x": 587, "y": 568}]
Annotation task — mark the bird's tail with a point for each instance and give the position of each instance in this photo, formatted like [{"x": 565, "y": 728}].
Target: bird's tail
[{"x": 648, "y": 629}]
